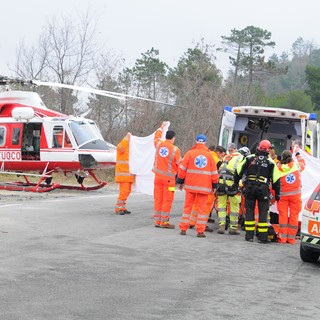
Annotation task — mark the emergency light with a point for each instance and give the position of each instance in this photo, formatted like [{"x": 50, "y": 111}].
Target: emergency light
[{"x": 312, "y": 116}]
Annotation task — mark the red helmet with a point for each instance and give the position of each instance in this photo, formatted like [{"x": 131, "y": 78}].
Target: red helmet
[{"x": 264, "y": 145}]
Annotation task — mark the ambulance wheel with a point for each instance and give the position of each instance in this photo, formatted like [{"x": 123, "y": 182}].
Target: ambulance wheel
[{"x": 307, "y": 255}]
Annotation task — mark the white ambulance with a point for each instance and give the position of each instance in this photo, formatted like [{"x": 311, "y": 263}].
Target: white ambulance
[
  {"x": 247, "y": 125},
  {"x": 310, "y": 228}
]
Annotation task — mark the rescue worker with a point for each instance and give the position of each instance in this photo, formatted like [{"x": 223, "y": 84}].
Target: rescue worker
[
  {"x": 245, "y": 151},
  {"x": 211, "y": 198},
  {"x": 260, "y": 171},
  {"x": 221, "y": 152},
  {"x": 167, "y": 159},
  {"x": 290, "y": 203},
  {"x": 218, "y": 155},
  {"x": 198, "y": 176},
  {"x": 226, "y": 191},
  {"x": 122, "y": 175}
]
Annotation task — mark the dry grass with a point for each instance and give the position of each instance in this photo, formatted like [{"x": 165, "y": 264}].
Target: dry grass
[{"x": 60, "y": 177}]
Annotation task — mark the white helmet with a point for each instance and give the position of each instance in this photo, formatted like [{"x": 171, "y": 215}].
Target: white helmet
[{"x": 244, "y": 151}]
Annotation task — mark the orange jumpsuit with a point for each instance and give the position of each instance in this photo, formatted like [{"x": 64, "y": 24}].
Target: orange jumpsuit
[
  {"x": 123, "y": 175},
  {"x": 198, "y": 173},
  {"x": 167, "y": 159},
  {"x": 211, "y": 198},
  {"x": 290, "y": 203}
]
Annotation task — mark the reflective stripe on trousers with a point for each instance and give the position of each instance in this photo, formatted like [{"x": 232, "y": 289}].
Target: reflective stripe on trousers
[
  {"x": 234, "y": 203},
  {"x": 124, "y": 192},
  {"x": 263, "y": 207},
  {"x": 163, "y": 198},
  {"x": 289, "y": 207},
  {"x": 197, "y": 202}
]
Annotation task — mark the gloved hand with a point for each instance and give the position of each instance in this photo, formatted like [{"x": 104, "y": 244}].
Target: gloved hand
[{"x": 277, "y": 197}]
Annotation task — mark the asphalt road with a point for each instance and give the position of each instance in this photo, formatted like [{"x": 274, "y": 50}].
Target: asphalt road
[{"x": 66, "y": 256}]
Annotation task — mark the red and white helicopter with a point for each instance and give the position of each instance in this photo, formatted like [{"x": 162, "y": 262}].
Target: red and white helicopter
[{"x": 34, "y": 138}]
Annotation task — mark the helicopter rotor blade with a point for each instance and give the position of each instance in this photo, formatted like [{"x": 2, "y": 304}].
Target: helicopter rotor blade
[
  {"x": 140, "y": 98},
  {"x": 115, "y": 95},
  {"x": 73, "y": 87}
]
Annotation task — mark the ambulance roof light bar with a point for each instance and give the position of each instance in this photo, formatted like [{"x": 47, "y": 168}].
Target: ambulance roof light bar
[{"x": 313, "y": 116}]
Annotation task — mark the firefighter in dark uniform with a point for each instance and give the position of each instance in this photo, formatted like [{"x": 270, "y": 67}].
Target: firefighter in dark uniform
[{"x": 259, "y": 171}]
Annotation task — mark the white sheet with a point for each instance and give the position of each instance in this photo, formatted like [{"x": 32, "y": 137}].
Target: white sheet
[{"x": 141, "y": 160}]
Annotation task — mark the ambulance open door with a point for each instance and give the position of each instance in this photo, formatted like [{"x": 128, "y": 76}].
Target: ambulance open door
[{"x": 227, "y": 126}]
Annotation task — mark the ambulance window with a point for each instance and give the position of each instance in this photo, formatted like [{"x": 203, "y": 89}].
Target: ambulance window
[
  {"x": 279, "y": 145},
  {"x": 225, "y": 137},
  {"x": 15, "y": 136},
  {"x": 2, "y": 136}
]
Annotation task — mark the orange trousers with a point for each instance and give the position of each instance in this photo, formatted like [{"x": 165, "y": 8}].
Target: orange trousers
[
  {"x": 163, "y": 194},
  {"x": 209, "y": 206},
  {"x": 124, "y": 192},
  {"x": 194, "y": 203},
  {"x": 289, "y": 207}
]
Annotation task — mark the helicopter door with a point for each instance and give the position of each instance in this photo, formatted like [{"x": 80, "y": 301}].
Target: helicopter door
[{"x": 31, "y": 141}]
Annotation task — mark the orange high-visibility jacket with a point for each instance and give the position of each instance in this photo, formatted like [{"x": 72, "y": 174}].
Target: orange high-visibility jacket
[
  {"x": 290, "y": 178},
  {"x": 198, "y": 170},
  {"x": 122, "y": 173},
  {"x": 167, "y": 157}
]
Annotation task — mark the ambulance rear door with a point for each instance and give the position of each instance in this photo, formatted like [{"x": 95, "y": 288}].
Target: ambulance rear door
[{"x": 227, "y": 126}]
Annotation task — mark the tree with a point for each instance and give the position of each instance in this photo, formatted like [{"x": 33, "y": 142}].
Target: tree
[
  {"x": 65, "y": 53},
  {"x": 196, "y": 83},
  {"x": 313, "y": 80},
  {"x": 147, "y": 79},
  {"x": 234, "y": 44},
  {"x": 295, "y": 99},
  {"x": 107, "y": 112},
  {"x": 247, "y": 48}
]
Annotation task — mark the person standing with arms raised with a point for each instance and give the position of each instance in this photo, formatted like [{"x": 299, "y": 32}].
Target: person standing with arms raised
[{"x": 166, "y": 162}]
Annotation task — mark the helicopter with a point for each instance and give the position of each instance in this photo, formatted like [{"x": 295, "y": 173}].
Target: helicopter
[{"x": 34, "y": 138}]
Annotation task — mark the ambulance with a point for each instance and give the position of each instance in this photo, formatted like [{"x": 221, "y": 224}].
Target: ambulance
[
  {"x": 310, "y": 228},
  {"x": 247, "y": 125}
]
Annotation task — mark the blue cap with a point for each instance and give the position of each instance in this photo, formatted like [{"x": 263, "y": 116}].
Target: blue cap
[{"x": 201, "y": 138}]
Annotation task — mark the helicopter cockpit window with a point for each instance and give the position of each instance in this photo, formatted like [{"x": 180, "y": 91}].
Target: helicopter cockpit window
[
  {"x": 2, "y": 136},
  {"x": 83, "y": 132}
]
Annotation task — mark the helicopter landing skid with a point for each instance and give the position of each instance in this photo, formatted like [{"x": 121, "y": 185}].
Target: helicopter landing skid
[
  {"x": 29, "y": 186},
  {"x": 33, "y": 187}
]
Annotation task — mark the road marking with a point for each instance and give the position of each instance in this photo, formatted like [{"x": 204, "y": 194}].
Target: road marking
[{"x": 10, "y": 205}]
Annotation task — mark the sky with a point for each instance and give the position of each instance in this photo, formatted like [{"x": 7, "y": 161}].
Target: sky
[{"x": 131, "y": 27}]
